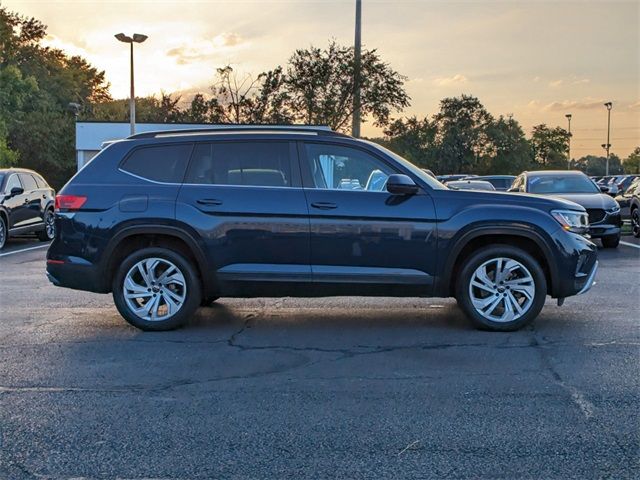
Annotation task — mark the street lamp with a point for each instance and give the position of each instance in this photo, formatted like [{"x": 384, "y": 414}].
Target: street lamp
[
  {"x": 607, "y": 145},
  {"x": 137, "y": 38},
  {"x": 357, "y": 67},
  {"x": 568, "y": 115}
]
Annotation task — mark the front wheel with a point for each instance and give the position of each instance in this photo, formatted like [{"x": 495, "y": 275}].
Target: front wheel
[
  {"x": 635, "y": 222},
  {"x": 156, "y": 289},
  {"x": 3, "y": 232},
  {"x": 611, "y": 241},
  {"x": 501, "y": 288}
]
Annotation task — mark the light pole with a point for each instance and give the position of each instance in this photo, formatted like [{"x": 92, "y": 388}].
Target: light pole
[
  {"x": 357, "y": 64},
  {"x": 137, "y": 38},
  {"x": 568, "y": 115},
  {"x": 607, "y": 145}
]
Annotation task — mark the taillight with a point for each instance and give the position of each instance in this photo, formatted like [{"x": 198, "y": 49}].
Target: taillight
[{"x": 70, "y": 202}]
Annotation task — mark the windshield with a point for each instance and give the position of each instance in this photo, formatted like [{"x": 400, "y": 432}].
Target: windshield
[
  {"x": 418, "y": 172},
  {"x": 561, "y": 184}
]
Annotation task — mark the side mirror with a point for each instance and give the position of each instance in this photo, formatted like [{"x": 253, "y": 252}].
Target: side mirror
[
  {"x": 16, "y": 191},
  {"x": 399, "y": 184},
  {"x": 512, "y": 190},
  {"x": 604, "y": 189}
]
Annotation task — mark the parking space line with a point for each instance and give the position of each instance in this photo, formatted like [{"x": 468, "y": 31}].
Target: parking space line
[
  {"x": 629, "y": 244},
  {"x": 23, "y": 250}
]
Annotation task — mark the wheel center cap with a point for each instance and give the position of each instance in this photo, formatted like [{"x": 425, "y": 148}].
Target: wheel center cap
[
  {"x": 156, "y": 289},
  {"x": 501, "y": 289}
]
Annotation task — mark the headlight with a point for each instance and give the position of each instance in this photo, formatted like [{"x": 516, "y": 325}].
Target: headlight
[
  {"x": 572, "y": 221},
  {"x": 615, "y": 209}
]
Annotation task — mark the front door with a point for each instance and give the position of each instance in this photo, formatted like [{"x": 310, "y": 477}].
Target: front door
[
  {"x": 246, "y": 200},
  {"x": 17, "y": 205},
  {"x": 363, "y": 237}
]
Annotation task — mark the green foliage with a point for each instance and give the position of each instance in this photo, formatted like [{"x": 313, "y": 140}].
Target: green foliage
[
  {"x": 462, "y": 138},
  {"x": 597, "y": 166},
  {"x": 550, "y": 147},
  {"x": 632, "y": 162},
  {"x": 38, "y": 83}
]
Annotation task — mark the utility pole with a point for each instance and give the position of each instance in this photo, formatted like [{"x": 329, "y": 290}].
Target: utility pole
[
  {"x": 357, "y": 67},
  {"x": 609, "y": 106},
  {"x": 568, "y": 115}
]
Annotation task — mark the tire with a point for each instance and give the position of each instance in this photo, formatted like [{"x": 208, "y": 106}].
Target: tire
[
  {"x": 208, "y": 301},
  {"x": 49, "y": 232},
  {"x": 4, "y": 233},
  {"x": 611, "y": 241},
  {"x": 524, "y": 287},
  {"x": 179, "y": 290},
  {"x": 635, "y": 222}
]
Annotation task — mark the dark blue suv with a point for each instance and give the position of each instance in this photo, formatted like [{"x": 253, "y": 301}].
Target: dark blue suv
[{"x": 170, "y": 221}]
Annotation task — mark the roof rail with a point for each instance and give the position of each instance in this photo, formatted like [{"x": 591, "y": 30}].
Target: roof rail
[{"x": 234, "y": 128}]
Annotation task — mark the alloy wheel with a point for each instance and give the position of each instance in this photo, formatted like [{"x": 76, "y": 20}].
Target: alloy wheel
[
  {"x": 50, "y": 225},
  {"x": 3, "y": 233},
  {"x": 635, "y": 222},
  {"x": 154, "y": 289},
  {"x": 502, "y": 290}
]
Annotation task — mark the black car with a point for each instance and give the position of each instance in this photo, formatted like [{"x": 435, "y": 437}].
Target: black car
[
  {"x": 634, "y": 208},
  {"x": 169, "y": 221},
  {"x": 604, "y": 212},
  {"x": 502, "y": 183},
  {"x": 624, "y": 199},
  {"x": 26, "y": 205}
]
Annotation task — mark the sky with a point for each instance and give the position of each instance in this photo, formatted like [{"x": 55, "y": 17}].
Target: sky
[{"x": 535, "y": 60}]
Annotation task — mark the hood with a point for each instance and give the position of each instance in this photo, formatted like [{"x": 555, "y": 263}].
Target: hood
[
  {"x": 542, "y": 202},
  {"x": 589, "y": 200}
]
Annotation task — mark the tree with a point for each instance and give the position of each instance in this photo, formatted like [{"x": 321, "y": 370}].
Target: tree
[
  {"x": 596, "y": 165},
  {"x": 462, "y": 134},
  {"x": 509, "y": 152},
  {"x": 632, "y": 162},
  {"x": 319, "y": 87},
  {"x": 37, "y": 84},
  {"x": 550, "y": 147},
  {"x": 414, "y": 139}
]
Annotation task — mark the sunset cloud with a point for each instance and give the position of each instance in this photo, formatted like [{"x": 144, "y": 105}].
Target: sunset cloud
[
  {"x": 447, "y": 81},
  {"x": 205, "y": 49}
]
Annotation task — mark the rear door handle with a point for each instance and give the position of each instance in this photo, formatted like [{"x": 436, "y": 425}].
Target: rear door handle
[
  {"x": 209, "y": 201},
  {"x": 324, "y": 205}
]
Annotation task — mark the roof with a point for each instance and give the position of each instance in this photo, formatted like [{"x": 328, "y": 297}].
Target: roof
[
  {"x": 16, "y": 170},
  {"x": 543, "y": 173},
  {"x": 239, "y": 129}
]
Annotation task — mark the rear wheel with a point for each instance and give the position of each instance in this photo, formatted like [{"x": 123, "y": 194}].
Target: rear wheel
[
  {"x": 156, "y": 289},
  {"x": 501, "y": 288},
  {"x": 611, "y": 241},
  {"x": 3, "y": 232},
  {"x": 635, "y": 222},
  {"x": 49, "y": 231}
]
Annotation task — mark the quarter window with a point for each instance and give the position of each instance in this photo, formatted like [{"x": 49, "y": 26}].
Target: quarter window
[
  {"x": 263, "y": 164},
  {"x": 162, "y": 163},
  {"x": 335, "y": 167}
]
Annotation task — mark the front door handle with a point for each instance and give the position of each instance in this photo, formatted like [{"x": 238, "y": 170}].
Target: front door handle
[
  {"x": 324, "y": 205},
  {"x": 209, "y": 201}
]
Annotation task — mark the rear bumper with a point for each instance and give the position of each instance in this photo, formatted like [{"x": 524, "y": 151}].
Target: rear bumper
[{"x": 78, "y": 276}]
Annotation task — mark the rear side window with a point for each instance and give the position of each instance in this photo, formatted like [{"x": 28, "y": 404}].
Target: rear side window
[
  {"x": 260, "y": 164},
  {"x": 28, "y": 182},
  {"x": 40, "y": 181},
  {"x": 162, "y": 163}
]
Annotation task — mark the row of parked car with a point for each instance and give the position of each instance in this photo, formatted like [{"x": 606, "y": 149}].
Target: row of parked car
[
  {"x": 593, "y": 193},
  {"x": 170, "y": 221}
]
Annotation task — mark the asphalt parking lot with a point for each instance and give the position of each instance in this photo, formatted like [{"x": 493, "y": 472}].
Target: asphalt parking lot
[{"x": 322, "y": 388}]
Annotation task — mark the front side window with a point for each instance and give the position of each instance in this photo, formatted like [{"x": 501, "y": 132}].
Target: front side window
[
  {"x": 335, "y": 167},
  {"x": 161, "y": 163},
  {"x": 257, "y": 164},
  {"x": 12, "y": 183}
]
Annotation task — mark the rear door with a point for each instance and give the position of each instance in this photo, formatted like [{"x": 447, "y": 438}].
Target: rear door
[
  {"x": 33, "y": 213},
  {"x": 360, "y": 233},
  {"x": 246, "y": 201}
]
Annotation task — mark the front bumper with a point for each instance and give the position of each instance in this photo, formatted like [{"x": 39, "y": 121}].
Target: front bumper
[
  {"x": 590, "y": 280},
  {"x": 609, "y": 226}
]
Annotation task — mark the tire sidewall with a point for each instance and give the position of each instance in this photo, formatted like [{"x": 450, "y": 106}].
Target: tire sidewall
[
  {"x": 611, "y": 241},
  {"x": 504, "y": 251},
  {"x": 635, "y": 216},
  {"x": 187, "y": 269},
  {"x": 43, "y": 235},
  {"x": 5, "y": 230}
]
